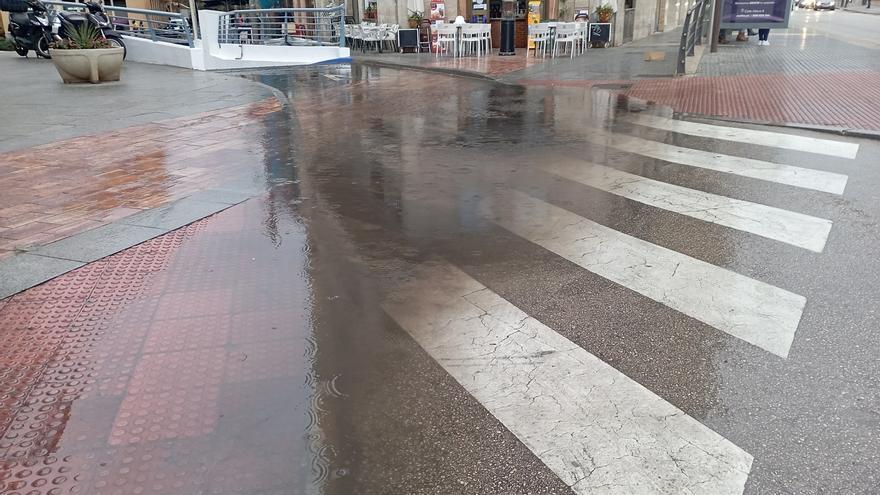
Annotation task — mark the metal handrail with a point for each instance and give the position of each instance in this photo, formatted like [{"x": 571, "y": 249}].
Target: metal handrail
[
  {"x": 692, "y": 33},
  {"x": 155, "y": 25},
  {"x": 289, "y": 26}
]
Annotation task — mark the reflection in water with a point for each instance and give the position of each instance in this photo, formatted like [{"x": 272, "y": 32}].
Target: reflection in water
[{"x": 251, "y": 355}]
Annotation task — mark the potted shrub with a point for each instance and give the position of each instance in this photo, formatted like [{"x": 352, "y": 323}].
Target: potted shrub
[
  {"x": 415, "y": 19},
  {"x": 604, "y": 13},
  {"x": 86, "y": 57}
]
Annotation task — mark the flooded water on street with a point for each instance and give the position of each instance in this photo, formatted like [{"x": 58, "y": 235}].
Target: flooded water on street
[{"x": 293, "y": 343}]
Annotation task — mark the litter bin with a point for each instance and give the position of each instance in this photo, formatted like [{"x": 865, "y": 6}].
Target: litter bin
[{"x": 508, "y": 27}]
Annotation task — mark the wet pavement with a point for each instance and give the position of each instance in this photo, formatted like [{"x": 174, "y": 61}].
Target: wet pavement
[{"x": 454, "y": 286}]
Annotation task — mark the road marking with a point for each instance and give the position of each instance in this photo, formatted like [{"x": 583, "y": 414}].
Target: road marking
[
  {"x": 747, "y": 167},
  {"x": 750, "y": 136},
  {"x": 748, "y": 309},
  {"x": 598, "y": 430},
  {"x": 781, "y": 225}
]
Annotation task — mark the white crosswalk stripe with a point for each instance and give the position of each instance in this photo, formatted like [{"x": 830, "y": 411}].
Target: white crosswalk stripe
[
  {"x": 817, "y": 180},
  {"x": 748, "y": 309},
  {"x": 786, "y": 226},
  {"x": 598, "y": 430},
  {"x": 827, "y": 147}
]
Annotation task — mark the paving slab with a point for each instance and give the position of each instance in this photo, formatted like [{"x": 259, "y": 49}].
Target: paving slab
[
  {"x": 98, "y": 243},
  {"x": 26, "y": 270},
  {"x": 33, "y": 95}
]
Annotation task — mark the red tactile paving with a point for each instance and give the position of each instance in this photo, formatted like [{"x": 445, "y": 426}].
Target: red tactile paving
[
  {"x": 142, "y": 373},
  {"x": 63, "y": 188},
  {"x": 840, "y": 99}
]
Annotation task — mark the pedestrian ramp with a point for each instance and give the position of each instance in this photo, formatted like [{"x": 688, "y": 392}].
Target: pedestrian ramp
[{"x": 594, "y": 427}]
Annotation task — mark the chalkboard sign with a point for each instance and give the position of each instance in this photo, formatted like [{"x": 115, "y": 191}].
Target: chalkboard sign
[
  {"x": 600, "y": 34},
  {"x": 408, "y": 40}
]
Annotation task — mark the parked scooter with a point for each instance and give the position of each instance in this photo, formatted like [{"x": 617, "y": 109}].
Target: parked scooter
[
  {"x": 29, "y": 26},
  {"x": 64, "y": 22}
]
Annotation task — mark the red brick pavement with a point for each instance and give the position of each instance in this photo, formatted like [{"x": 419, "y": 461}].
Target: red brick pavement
[
  {"x": 840, "y": 99},
  {"x": 63, "y": 188},
  {"x": 152, "y": 371}
]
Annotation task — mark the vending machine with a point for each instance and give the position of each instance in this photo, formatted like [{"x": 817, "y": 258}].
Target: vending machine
[{"x": 534, "y": 11}]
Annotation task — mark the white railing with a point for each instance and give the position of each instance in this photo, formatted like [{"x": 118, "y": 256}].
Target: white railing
[{"x": 292, "y": 27}]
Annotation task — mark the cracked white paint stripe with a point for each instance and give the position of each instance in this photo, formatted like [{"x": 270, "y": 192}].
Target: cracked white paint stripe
[
  {"x": 598, "y": 430},
  {"x": 817, "y": 180},
  {"x": 745, "y": 308},
  {"x": 750, "y": 136},
  {"x": 781, "y": 225}
]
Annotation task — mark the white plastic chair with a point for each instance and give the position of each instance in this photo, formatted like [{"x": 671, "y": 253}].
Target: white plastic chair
[
  {"x": 371, "y": 36},
  {"x": 566, "y": 34},
  {"x": 445, "y": 39},
  {"x": 539, "y": 35},
  {"x": 471, "y": 38},
  {"x": 389, "y": 35},
  {"x": 486, "y": 36},
  {"x": 584, "y": 33}
]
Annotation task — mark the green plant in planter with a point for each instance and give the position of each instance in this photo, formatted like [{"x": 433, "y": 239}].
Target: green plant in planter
[
  {"x": 83, "y": 37},
  {"x": 415, "y": 18},
  {"x": 604, "y": 13}
]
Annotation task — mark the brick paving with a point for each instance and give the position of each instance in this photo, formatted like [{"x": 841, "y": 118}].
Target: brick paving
[
  {"x": 63, "y": 188},
  {"x": 853, "y": 103},
  {"x": 136, "y": 374},
  {"x": 803, "y": 78}
]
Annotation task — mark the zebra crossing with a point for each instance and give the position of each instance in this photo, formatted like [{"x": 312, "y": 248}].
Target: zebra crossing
[
  {"x": 598, "y": 430},
  {"x": 751, "y": 168}
]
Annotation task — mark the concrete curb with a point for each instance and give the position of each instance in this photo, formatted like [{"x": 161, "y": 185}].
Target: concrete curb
[
  {"x": 34, "y": 266},
  {"x": 840, "y": 131}
]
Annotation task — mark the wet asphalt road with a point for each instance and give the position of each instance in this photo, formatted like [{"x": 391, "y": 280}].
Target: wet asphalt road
[
  {"x": 395, "y": 169},
  {"x": 330, "y": 304}
]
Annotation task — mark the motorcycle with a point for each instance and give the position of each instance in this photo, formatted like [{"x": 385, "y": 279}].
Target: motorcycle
[
  {"x": 64, "y": 22},
  {"x": 29, "y": 23}
]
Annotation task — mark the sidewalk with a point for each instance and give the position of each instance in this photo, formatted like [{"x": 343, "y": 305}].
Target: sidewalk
[
  {"x": 862, "y": 9},
  {"x": 120, "y": 163},
  {"x": 625, "y": 62},
  {"x": 38, "y": 109},
  {"x": 806, "y": 80}
]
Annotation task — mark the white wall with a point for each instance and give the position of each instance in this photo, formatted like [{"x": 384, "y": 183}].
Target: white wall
[
  {"x": 211, "y": 55},
  {"x": 214, "y": 55},
  {"x": 158, "y": 52}
]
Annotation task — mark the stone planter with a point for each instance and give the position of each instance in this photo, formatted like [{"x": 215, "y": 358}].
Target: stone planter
[{"x": 94, "y": 66}]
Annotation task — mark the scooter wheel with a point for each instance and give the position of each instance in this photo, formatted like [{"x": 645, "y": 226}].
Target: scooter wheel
[
  {"x": 42, "y": 47},
  {"x": 21, "y": 50},
  {"x": 118, "y": 43}
]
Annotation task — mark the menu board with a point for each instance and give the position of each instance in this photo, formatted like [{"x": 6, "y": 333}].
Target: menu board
[{"x": 742, "y": 14}]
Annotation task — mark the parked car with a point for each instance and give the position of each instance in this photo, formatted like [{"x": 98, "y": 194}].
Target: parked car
[
  {"x": 824, "y": 4},
  {"x": 805, "y": 4}
]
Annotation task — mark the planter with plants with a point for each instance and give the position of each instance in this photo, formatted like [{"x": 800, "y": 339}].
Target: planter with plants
[
  {"x": 86, "y": 57},
  {"x": 415, "y": 19},
  {"x": 604, "y": 13}
]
